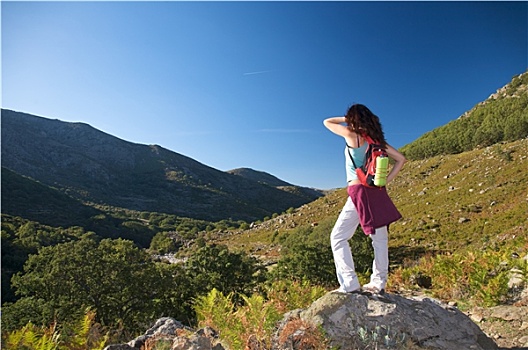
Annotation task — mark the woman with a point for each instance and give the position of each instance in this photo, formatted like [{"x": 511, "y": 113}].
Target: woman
[{"x": 360, "y": 123}]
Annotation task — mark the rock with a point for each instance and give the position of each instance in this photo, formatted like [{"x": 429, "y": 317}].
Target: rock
[
  {"x": 165, "y": 326},
  {"x": 168, "y": 330},
  {"x": 476, "y": 315},
  {"x": 350, "y": 320},
  {"x": 508, "y": 324},
  {"x": 194, "y": 342},
  {"x": 510, "y": 312},
  {"x": 516, "y": 279},
  {"x": 119, "y": 347},
  {"x": 524, "y": 341}
]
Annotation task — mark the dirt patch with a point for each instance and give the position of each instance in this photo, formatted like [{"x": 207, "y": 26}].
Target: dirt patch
[{"x": 507, "y": 325}]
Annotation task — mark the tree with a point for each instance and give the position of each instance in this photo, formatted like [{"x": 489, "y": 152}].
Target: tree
[
  {"x": 214, "y": 266},
  {"x": 112, "y": 277},
  {"x": 163, "y": 243},
  {"x": 503, "y": 117},
  {"x": 176, "y": 293}
]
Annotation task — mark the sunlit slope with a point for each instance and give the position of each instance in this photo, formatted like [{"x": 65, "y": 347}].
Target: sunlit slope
[{"x": 475, "y": 199}]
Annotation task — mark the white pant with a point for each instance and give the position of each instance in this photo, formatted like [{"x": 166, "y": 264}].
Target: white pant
[{"x": 343, "y": 230}]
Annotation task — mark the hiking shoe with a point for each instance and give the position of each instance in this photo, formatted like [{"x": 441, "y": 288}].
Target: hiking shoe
[
  {"x": 373, "y": 289},
  {"x": 340, "y": 290}
]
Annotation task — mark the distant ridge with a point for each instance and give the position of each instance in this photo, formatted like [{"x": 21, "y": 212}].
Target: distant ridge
[
  {"x": 270, "y": 180},
  {"x": 259, "y": 176},
  {"x": 94, "y": 167}
]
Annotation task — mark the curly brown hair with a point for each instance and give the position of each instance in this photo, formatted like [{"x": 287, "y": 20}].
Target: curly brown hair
[{"x": 363, "y": 122}]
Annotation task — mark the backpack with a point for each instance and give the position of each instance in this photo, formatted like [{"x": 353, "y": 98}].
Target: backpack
[{"x": 367, "y": 172}]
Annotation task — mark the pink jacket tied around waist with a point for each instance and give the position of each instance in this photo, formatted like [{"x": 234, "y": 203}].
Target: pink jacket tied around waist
[{"x": 374, "y": 206}]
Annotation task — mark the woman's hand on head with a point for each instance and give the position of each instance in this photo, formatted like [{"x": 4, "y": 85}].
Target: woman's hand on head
[{"x": 335, "y": 125}]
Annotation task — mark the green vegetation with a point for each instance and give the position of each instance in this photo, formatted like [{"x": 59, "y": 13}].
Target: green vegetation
[
  {"x": 502, "y": 117},
  {"x": 59, "y": 282},
  {"x": 84, "y": 334},
  {"x": 120, "y": 282},
  {"x": 256, "y": 318},
  {"x": 476, "y": 277},
  {"x": 306, "y": 254},
  {"x": 164, "y": 233}
]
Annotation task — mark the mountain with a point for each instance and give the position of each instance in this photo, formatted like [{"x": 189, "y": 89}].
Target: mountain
[
  {"x": 463, "y": 227},
  {"x": 270, "y": 180},
  {"x": 259, "y": 176},
  {"x": 47, "y": 205},
  {"x": 94, "y": 167}
]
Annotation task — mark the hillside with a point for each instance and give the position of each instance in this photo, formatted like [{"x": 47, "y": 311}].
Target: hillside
[
  {"x": 259, "y": 176},
  {"x": 26, "y": 198},
  {"x": 94, "y": 167},
  {"x": 501, "y": 117},
  {"x": 264, "y": 178},
  {"x": 464, "y": 229},
  {"x": 472, "y": 200},
  {"x": 459, "y": 210}
]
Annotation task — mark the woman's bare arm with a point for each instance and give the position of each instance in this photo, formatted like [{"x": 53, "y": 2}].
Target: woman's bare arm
[
  {"x": 399, "y": 160},
  {"x": 335, "y": 125}
]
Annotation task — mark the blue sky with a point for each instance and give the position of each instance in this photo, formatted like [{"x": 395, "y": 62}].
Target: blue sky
[{"x": 247, "y": 84}]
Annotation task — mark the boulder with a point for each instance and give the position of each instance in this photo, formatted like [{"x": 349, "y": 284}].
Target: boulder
[
  {"x": 167, "y": 330},
  {"x": 386, "y": 321}
]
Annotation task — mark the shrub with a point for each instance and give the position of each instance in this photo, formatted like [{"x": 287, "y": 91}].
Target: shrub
[
  {"x": 254, "y": 320},
  {"x": 79, "y": 335},
  {"x": 307, "y": 255}
]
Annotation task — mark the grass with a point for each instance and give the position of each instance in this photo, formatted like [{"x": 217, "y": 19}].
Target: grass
[
  {"x": 463, "y": 229},
  {"x": 463, "y": 215}
]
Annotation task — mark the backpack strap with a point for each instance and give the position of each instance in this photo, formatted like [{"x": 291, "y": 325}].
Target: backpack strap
[
  {"x": 367, "y": 139},
  {"x": 351, "y": 158}
]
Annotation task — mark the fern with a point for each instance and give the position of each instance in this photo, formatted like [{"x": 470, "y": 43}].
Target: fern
[
  {"x": 212, "y": 308},
  {"x": 258, "y": 318},
  {"x": 216, "y": 311},
  {"x": 291, "y": 295},
  {"x": 252, "y": 324},
  {"x": 31, "y": 337},
  {"x": 82, "y": 335},
  {"x": 86, "y": 334}
]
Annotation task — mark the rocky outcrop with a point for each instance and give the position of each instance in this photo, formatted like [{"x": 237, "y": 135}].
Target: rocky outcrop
[
  {"x": 357, "y": 321},
  {"x": 173, "y": 335},
  {"x": 348, "y": 321}
]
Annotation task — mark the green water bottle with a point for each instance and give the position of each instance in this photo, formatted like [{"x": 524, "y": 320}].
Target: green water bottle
[{"x": 382, "y": 170}]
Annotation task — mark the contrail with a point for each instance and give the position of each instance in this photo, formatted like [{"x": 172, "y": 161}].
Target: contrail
[
  {"x": 258, "y": 72},
  {"x": 285, "y": 130}
]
